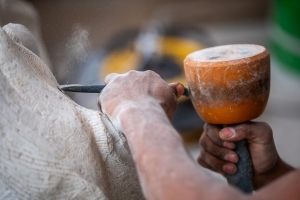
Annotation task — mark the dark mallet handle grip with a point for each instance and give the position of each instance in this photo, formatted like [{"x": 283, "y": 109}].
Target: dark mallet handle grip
[{"x": 242, "y": 179}]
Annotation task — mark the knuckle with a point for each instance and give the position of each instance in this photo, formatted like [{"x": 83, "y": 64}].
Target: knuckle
[
  {"x": 213, "y": 134},
  {"x": 217, "y": 165},
  {"x": 209, "y": 129},
  {"x": 131, "y": 72},
  {"x": 260, "y": 131},
  {"x": 111, "y": 77},
  {"x": 202, "y": 162},
  {"x": 265, "y": 132},
  {"x": 219, "y": 154},
  {"x": 205, "y": 127},
  {"x": 211, "y": 161},
  {"x": 201, "y": 157},
  {"x": 204, "y": 143},
  {"x": 150, "y": 72},
  {"x": 213, "y": 148},
  {"x": 209, "y": 126},
  {"x": 267, "y": 128},
  {"x": 202, "y": 139},
  {"x": 153, "y": 74},
  {"x": 243, "y": 127}
]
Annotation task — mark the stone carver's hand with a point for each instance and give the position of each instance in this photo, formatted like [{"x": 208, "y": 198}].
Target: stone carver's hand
[
  {"x": 141, "y": 90},
  {"x": 218, "y": 155}
]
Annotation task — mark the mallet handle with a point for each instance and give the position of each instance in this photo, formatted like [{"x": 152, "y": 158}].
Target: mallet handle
[{"x": 242, "y": 179}]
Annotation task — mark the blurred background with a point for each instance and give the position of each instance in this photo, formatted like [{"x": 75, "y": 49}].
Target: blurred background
[{"x": 84, "y": 40}]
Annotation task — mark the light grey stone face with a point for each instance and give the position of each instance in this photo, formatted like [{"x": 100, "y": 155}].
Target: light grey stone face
[{"x": 50, "y": 147}]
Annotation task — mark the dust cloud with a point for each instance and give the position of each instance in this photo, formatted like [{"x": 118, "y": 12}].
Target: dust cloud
[
  {"x": 73, "y": 53},
  {"x": 79, "y": 44}
]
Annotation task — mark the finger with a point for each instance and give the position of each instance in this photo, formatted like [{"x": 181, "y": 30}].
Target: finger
[
  {"x": 212, "y": 131},
  {"x": 109, "y": 77},
  {"x": 209, "y": 161},
  {"x": 257, "y": 132},
  {"x": 205, "y": 165},
  {"x": 178, "y": 89},
  {"x": 220, "y": 152}
]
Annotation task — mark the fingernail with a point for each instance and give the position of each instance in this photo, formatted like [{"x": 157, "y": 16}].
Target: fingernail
[
  {"x": 229, "y": 168},
  {"x": 227, "y": 133},
  {"x": 231, "y": 158}
]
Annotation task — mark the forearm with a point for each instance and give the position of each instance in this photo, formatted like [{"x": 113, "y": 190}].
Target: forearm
[
  {"x": 164, "y": 167},
  {"x": 140, "y": 105}
]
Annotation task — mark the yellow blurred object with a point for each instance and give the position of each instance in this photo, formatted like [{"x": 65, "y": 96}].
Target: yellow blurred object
[
  {"x": 179, "y": 47},
  {"x": 125, "y": 59},
  {"x": 119, "y": 61}
]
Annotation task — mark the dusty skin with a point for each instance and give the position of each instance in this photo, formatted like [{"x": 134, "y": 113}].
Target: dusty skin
[
  {"x": 50, "y": 147},
  {"x": 140, "y": 104}
]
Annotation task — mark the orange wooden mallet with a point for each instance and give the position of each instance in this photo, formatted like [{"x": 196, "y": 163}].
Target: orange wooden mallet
[{"x": 230, "y": 84}]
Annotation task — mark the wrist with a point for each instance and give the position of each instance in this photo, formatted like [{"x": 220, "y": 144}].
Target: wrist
[
  {"x": 279, "y": 169},
  {"x": 148, "y": 129}
]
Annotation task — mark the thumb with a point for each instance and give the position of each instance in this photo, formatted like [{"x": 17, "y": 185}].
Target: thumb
[
  {"x": 257, "y": 132},
  {"x": 178, "y": 89},
  {"x": 229, "y": 134}
]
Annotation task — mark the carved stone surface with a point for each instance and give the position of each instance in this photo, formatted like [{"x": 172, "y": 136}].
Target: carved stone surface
[{"x": 50, "y": 147}]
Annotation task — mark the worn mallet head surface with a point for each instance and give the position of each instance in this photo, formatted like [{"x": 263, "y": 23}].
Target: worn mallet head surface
[{"x": 229, "y": 84}]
